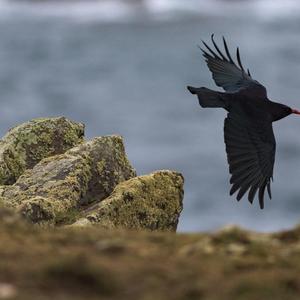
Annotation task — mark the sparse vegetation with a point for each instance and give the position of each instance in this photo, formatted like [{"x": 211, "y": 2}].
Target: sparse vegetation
[{"x": 92, "y": 263}]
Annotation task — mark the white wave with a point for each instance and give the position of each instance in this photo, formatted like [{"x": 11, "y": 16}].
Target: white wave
[
  {"x": 268, "y": 9},
  {"x": 119, "y": 10},
  {"x": 108, "y": 10}
]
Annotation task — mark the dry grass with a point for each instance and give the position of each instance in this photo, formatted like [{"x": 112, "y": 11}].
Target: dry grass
[{"x": 90, "y": 263}]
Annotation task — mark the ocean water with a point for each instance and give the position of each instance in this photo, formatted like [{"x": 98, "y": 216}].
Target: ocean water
[{"x": 122, "y": 67}]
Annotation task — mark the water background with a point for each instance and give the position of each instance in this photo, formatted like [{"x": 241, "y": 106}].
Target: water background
[{"x": 121, "y": 67}]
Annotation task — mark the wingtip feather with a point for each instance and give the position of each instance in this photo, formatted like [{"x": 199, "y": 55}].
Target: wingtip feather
[
  {"x": 261, "y": 196},
  {"x": 227, "y": 51}
]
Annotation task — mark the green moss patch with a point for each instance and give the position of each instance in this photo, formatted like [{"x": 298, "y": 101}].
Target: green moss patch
[{"x": 27, "y": 144}]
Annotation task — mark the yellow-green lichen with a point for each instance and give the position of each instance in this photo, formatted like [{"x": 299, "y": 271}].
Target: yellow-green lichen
[
  {"x": 60, "y": 184},
  {"x": 151, "y": 202},
  {"x": 101, "y": 166},
  {"x": 38, "y": 209},
  {"x": 25, "y": 145},
  {"x": 52, "y": 188},
  {"x": 112, "y": 167}
]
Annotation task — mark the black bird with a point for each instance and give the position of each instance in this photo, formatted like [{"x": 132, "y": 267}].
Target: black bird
[{"x": 248, "y": 132}]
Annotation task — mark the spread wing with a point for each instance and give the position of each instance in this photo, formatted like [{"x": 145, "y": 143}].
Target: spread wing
[
  {"x": 225, "y": 72},
  {"x": 250, "y": 151}
]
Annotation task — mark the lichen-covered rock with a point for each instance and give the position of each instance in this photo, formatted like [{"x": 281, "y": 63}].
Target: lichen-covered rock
[
  {"x": 59, "y": 184},
  {"x": 25, "y": 145},
  {"x": 109, "y": 166},
  {"x": 151, "y": 202}
]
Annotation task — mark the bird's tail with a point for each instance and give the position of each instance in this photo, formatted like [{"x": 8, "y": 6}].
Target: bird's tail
[{"x": 207, "y": 97}]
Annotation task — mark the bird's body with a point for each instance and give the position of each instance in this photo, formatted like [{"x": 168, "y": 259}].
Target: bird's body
[{"x": 248, "y": 133}]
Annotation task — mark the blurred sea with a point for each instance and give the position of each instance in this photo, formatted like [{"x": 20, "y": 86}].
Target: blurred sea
[{"x": 122, "y": 67}]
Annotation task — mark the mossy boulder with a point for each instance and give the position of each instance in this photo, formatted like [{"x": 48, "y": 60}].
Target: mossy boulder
[
  {"x": 49, "y": 181},
  {"x": 60, "y": 184},
  {"x": 151, "y": 202},
  {"x": 27, "y": 144}
]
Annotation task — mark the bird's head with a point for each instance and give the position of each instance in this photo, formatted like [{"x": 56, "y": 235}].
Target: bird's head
[
  {"x": 280, "y": 111},
  {"x": 286, "y": 110}
]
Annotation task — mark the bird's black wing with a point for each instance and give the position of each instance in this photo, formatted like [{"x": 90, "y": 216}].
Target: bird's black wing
[
  {"x": 225, "y": 72},
  {"x": 250, "y": 148}
]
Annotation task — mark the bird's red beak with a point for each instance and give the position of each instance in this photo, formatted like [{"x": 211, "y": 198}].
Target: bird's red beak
[{"x": 295, "y": 111}]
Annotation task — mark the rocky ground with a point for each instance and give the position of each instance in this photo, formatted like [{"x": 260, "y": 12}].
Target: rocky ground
[
  {"x": 76, "y": 222},
  {"x": 93, "y": 263}
]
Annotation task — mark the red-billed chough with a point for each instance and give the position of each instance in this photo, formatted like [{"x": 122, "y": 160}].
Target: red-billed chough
[{"x": 248, "y": 133}]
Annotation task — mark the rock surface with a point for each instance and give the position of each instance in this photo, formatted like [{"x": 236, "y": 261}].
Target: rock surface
[
  {"x": 52, "y": 177},
  {"x": 25, "y": 145},
  {"x": 152, "y": 202},
  {"x": 60, "y": 184}
]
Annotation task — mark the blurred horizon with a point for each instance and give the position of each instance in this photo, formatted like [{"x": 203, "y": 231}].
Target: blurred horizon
[
  {"x": 122, "y": 67},
  {"x": 158, "y": 10}
]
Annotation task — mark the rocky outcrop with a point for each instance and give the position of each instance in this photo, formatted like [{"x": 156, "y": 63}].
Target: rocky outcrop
[
  {"x": 151, "y": 202},
  {"x": 51, "y": 176},
  {"x": 62, "y": 183},
  {"x": 25, "y": 145}
]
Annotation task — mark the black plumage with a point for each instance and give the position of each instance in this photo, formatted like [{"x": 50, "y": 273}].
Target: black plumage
[{"x": 248, "y": 132}]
